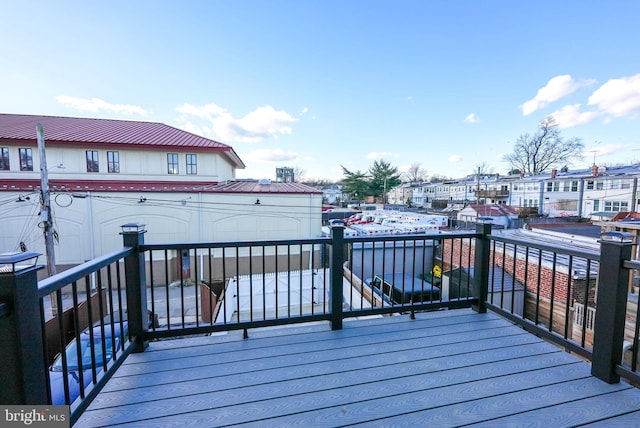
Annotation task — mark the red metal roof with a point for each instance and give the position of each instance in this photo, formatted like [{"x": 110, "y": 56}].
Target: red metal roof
[
  {"x": 75, "y": 130},
  {"x": 22, "y": 185},
  {"x": 263, "y": 186}
]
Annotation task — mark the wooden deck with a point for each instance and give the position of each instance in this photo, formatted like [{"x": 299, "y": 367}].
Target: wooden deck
[{"x": 445, "y": 368}]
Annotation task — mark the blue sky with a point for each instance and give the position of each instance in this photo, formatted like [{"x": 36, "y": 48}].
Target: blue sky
[{"x": 319, "y": 84}]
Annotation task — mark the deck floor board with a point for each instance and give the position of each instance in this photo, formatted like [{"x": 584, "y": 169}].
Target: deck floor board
[{"x": 445, "y": 368}]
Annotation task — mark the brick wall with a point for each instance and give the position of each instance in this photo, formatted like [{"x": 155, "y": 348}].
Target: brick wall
[{"x": 540, "y": 279}]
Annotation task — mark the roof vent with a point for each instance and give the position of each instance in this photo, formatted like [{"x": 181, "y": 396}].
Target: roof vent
[{"x": 264, "y": 181}]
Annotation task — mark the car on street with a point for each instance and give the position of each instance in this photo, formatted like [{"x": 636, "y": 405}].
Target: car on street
[
  {"x": 336, "y": 222},
  {"x": 93, "y": 346}
]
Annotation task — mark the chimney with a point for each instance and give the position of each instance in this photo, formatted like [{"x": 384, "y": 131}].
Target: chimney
[
  {"x": 554, "y": 172},
  {"x": 497, "y": 175},
  {"x": 594, "y": 170},
  {"x": 521, "y": 175}
]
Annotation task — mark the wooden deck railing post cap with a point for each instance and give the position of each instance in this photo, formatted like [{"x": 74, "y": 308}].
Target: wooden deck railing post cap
[
  {"x": 620, "y": 238},
  {"x": 133, "y": 228},
  {"x": 13, "y": 263}
]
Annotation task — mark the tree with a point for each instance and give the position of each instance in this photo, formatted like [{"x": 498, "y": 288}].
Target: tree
[
  {"x": 318, "y": 182},
  {"x": 298, "y": 174},
  {"x": 535, "y": 154},
  {"x": 438, "y": 177},
  {"x": 483, "y": 168},
  {"x": 415, "y": 173},
  {"x": 355, "y": 183},
  {"x": 383, "y": 177}
]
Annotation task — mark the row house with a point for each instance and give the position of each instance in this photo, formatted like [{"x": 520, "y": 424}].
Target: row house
[
  {"x": 105, "y": 173},
  {"x": 399, "y": 195},
  {"x": 334, "y": 195},
  {"x": 597, "y": 193},
  {"x": 456, "y": 194}
]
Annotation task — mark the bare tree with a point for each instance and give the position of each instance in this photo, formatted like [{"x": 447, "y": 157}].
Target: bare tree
[
  {"x": 298, "y": 174},
  {"x": 534, "y": 154},
  {"x": 483, "y": 168},
  {"x": 438, "y": 177},
  {"x": 415, "y": 173}
]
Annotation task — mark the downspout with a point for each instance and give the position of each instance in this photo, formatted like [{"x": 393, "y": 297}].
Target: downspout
[
  {"x": 200, "y": 237},
  {"x": 92, "y": 250},
  {"x": 510, "y": 203},
  {"x": 541, "y": 198},
  {"x": 634, "y": 192},
  {"x": 581, "y": 197},
  {"x": 92, "y": 243}
]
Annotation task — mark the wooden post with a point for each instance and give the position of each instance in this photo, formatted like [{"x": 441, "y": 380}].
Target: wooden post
[
  {"x": 23, "y": 371},
  {"x": 481, "y": 268},
  {"x": 136, "y": 285},
  {"x": 611, "y": 305},
  {"x": 337, "y": 260}
]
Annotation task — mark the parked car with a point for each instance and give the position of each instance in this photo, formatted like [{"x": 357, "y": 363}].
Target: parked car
[
  {"x": 336, "y": 222},
  {"x": 402, "y": 288},
  {"x": 56, "y": 371}
]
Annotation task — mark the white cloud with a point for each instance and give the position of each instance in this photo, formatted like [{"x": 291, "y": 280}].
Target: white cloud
[
  {"x": 570, "y": 115},
  {"x": 618, "y": 97},
  {"x": 95, "y": 105},
  {"x": 380, "y": 155},
  {"x": 269, "y": 155},
  {"x": 472, "y": 118},
  {"x": 196, "y": 129},
  {"x": 260, "y": 124},
  {"x": 556, "y": 88},
  {"x": 606, "y": 149},
  {"x": 454, "y": 158},
  {"x": 304, "y": 110}
]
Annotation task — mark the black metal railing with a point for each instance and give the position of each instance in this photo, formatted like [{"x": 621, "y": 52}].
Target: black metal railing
[
  {"x": 209, "y": 287},
  {"x": 86, "y": 325},
  {"x": 540, "y": 286},
  {"x": 197, "y": 288},
  {"x": 630, "y": 366}
]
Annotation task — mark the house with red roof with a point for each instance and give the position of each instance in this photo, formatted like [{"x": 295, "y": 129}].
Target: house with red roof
[{"x": 103, "y": 173}]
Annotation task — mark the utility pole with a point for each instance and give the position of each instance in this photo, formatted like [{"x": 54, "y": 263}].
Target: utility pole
[
  {"x": 45, "y": 200},
  {"x": 478, "y": 186}
]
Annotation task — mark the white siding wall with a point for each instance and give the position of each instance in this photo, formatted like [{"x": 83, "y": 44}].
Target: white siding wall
[
  {"x": 90, "y": 227},
  {"x": 134, "y": 164}
]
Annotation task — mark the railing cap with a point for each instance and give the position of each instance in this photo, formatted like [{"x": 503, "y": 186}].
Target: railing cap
[
  {"x": 133, "y": 228},
  {"x": 618, "y": 237},
  {"x": 16, "y": 262}
]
